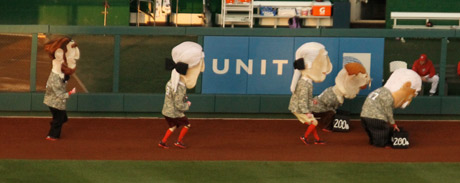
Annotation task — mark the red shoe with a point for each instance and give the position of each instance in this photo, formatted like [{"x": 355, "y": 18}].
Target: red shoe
[
  {"x": 50, "y": 138},
  {"x": 304, "y": 140},
  {"x": 320, "y": 142},
  {"x": 326, "y": 130},
  {"x": 180, "y": 145},
  {"x": 163, "y": 145}
]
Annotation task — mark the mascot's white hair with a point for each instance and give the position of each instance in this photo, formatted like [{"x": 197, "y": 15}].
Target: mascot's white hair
[
  {"x": 308, "y": 52},
  {"x": 401, "y": 76},
  {"x": 188, "y": 52}
]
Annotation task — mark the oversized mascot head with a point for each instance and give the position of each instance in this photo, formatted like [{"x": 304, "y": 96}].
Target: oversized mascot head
[
  {"x": 351, "y": 79},
  {"x": 404, "y": 84},
  {"x": 65, "y": 53},
  {"x": 312, "y": 61},
  {"x": 187, "y": 63}
]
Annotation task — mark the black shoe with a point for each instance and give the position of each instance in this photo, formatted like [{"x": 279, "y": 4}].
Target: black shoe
[
  {"x": 320, "y": 142},
  {"x": 304, "y": 140},
  {"x": 163, "y": 145},
  {"x": 180, "y": 145}
]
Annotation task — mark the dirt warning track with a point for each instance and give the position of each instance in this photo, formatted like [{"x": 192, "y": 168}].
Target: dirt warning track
[{"x": 219, "y": 139}]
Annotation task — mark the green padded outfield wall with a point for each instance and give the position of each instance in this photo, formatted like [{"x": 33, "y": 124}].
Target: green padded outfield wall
[
  {"x": 63, "y": 12},
  {"x": 421, "y": 6},
  {"x": 433, "y": 42}
]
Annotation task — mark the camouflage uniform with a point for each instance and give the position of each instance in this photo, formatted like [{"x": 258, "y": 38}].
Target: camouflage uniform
[
  {"x": 175, "y": 103},
  {"x": 376, "y": 114},
  {"x": 56, "y": 95},
  {"x": 301, "y": 99},
  {"x": 56, "y": 98},
  {"x": 325, "y": 108},
  {"x": 327, "y": 101},
  {"x": 379, "y": 105}
]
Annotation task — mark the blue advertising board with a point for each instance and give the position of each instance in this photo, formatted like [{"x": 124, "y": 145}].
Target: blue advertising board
[{"x": 263, "y": 65}]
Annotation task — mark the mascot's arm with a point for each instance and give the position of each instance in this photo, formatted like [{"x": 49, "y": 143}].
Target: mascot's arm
[
  {"x": 179, "y": 101},
  {"x": 61, "y": 94},
  {"x": 304, "y": 99},
  {"x": 388, "y": 110}
]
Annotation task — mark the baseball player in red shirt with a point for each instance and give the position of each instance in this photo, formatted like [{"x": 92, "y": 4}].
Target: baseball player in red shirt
[
  {"x": 458, "y": 68},
  {"x": 424, "y": 67}
]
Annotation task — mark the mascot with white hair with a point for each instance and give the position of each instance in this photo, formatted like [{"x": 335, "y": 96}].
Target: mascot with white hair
[
  {"x": 65, "y": 53},
  {"x": 312, "y": 64},
  {"x": 348, "y": 82},
  {"x": 187, "y": 63},
  {"x": 377, "y": 112}
]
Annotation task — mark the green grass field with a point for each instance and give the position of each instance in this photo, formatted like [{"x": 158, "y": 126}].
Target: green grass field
[{"x": 58, "y": 171}]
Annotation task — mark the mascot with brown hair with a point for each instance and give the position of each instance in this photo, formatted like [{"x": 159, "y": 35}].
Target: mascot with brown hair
[
  {"x": 348, "y": 82},
  {"x": 64, "y": 53},
  {"x": 187, "y": 63},
  {"x": 312, "y": 64}
]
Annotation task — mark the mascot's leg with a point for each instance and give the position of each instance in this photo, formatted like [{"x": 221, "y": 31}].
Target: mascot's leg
[
  {"x": 183, "y": 132},
  {"x": 310, "y": 120},
  {"x": 327, "y": 118},
  {"x": 165, "y": 138},
  {"x": 182, "y": 122},
  {"x": 59, "y": 118},
  {"x": 312, "y": 129}
]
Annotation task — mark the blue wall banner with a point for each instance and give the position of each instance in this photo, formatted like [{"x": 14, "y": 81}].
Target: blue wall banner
[{"x": 263, "y": 65}]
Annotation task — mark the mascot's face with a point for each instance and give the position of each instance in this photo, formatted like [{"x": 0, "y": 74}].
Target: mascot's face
[
  {"x": 403, "y": 97},
  {"x": 64, "y": 53},
  {"x": 73, "y": 53},
  {"x": 192, "y": 75},
  {"x": 320, "y": 67},
  {"x": 351, "y": 79}
]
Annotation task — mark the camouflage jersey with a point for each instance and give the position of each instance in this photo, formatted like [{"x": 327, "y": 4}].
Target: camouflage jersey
[
  {"x": 175, "y": 102},
  {"x": 326, "y": 101},
  {"x": 301, "y": 99},
  {"x": 56, "y": 95},
  {"x": 379, "y": 105}
]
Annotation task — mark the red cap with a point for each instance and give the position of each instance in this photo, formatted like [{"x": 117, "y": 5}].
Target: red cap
[{"x": 423, "y": 57}]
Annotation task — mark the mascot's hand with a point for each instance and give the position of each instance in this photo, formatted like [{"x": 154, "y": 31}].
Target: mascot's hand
[
  {"x": 189, "y": 103},
  {"x": 73, "y": 91},
  {"x": 395, "y": 127},
  {"x": 309, "y": 115}
]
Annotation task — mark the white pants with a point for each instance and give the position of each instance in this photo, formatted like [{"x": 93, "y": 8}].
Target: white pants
[{"x": 434, "y": 82}]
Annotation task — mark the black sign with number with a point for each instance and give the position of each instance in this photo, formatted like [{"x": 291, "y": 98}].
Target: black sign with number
[
  {"x": 341, "y": 122},
  {"x": 400, "y": 140}
]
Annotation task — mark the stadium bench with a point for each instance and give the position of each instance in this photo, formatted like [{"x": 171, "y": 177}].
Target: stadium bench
[
  {"x": 427, "y": 16},
  {"x": 451, "y": 78}
]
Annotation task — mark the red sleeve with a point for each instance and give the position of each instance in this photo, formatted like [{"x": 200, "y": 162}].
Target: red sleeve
[
  {"x": 415, "y": 66},
  {"x": 432, "y": 70},
  {"x": 458, "y": 68}
]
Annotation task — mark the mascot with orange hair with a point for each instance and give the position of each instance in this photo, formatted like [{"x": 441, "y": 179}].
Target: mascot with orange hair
[
  {"x": 348, "y": 83},
  {"x": 64, "y": 53}
]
